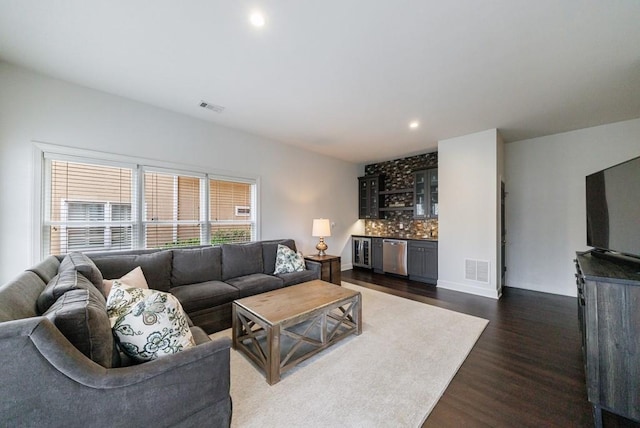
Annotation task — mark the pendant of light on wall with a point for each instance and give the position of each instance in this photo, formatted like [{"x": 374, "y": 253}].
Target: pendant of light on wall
[{"x": 414, "y": 124}]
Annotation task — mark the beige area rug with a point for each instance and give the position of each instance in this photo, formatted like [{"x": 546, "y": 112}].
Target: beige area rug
[{"x": 392, "y": 375}]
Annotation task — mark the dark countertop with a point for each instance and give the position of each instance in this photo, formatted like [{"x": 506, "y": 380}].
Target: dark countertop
[{"x": 404, "y": 238}]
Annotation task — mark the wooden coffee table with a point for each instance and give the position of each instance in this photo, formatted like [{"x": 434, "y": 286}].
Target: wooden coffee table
[{"x": 281, "y": 328}]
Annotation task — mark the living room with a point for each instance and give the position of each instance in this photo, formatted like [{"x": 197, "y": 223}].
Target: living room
[{"x": 594, "y": 123}]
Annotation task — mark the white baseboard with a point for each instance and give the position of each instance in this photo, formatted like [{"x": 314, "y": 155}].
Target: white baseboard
[
  {"x": 465, "y": 288},
  {"x": 346, "y": 266}
]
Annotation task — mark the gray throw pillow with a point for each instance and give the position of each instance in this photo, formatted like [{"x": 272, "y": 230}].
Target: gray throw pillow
[
  {"x": 82, "y": 318},
  {"x": 85, "y": 266},
  {"x": 65, "y": 281}
]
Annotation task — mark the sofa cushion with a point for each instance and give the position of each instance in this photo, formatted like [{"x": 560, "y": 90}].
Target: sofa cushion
[
  {"x": 155, "y": 266},
  {"x": 135, "y": 278},
  {"x": 288, "y": 260},
  {"x": 85, "y": 266},
  {"x": 269, "y": 250},
  {"x": 193, "y": 265},
  {"x": 256, "y": 283},
  {"x": 46, "y": 269},
  {"x": 148, "y": 324},
  {"x": 82, "y": 318},
  {"x": 19, "y": 296},
  {"x": 241, "y": 259},
  {"x": 202, "y": 295},
  {"x": 66, "y": 280},
  {"x": 298, "y": 277}
]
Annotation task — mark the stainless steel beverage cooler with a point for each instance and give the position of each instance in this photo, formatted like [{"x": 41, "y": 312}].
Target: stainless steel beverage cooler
[{"x": 362, "y": 252}]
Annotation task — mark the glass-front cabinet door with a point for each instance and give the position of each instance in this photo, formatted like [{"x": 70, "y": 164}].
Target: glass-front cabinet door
[
  {"x": 420, "y": 194},
  {"x": 363, "y": 197},
  {"x": 425, "y": 202},
  {"x": 369, "y": 196},
  {"x": 433, "y": 193}
]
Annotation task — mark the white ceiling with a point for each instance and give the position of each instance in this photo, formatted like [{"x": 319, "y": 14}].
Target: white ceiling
[{"x": 345, "y": 77}]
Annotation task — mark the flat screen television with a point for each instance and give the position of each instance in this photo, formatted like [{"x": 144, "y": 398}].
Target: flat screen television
[{"x": 613, "y": 210}]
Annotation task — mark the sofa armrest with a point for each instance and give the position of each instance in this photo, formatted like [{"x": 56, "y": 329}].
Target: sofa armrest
[
  {"x": 314, "y": 266},
  {"x": 63, "y": 386}
]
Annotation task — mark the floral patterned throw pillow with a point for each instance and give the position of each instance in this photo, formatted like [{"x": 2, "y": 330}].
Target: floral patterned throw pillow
[
  {"x": 288, "y": 260},
  {"x": 147, "y": 323}
]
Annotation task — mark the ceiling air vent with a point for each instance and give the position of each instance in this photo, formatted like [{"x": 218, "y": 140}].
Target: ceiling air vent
[
  {"x": 213, "y": 107},
  {"x": 476, "y": 270}
]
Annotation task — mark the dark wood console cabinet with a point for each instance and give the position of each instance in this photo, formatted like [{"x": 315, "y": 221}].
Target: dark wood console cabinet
[{"x": 609, "y": 315}]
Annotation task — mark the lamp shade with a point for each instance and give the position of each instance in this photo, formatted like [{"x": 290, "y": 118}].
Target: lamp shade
[{"x": 321, "y": 227}]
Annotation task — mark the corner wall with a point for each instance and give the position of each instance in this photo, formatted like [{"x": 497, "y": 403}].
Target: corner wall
[
  {"x": 469, "y": 189},
  {"x": 546, "y": 219},
  {"x": 34, "y": 107}
]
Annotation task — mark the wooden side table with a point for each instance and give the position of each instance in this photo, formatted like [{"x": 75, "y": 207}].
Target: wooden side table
[{"x": 330, "y": 270}]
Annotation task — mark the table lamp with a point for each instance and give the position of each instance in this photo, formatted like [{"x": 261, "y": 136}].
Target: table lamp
[{"x": 321, "y": 228}]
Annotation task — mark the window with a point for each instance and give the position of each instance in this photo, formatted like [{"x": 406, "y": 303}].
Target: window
[
  {"x": 87, "y": 207},
  {"x": 172, "y": 210},
  {"x": 228, "y": 224},
  {"x": 92, "y": 205}
]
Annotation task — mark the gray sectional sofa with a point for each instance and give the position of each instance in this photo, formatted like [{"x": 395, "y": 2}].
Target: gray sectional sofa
[
  {"x": 207, "y": 280},
  {"x": 56, "y": 364}
]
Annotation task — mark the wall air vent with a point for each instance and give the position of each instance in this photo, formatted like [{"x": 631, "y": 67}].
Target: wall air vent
[
  {"x": 213, "y": 107},
  {"x": 476, "y": 270}
]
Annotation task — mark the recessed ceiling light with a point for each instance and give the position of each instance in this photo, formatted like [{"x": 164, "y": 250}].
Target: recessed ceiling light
[
  {"x": 414, "y": 124},
  {"x": 257, "y": 19}
]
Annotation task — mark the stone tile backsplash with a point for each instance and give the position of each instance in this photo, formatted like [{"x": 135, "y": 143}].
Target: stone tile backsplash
[
  {"x": 398, "y": 174},
  {"x": 410, "y": 228}
]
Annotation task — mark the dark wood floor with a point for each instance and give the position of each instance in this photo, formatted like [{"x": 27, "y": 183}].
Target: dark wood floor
[{"x": 526, "y": 369}]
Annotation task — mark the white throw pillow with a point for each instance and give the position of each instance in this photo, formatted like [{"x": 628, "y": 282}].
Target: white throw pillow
[
  {"x": 288, "y": 260},
  {"x": 147, "y": 323},
  {"x": 135, "y": 278}
]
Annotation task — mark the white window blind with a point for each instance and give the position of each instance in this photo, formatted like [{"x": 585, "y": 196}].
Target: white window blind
[
  {"x": 91, "y": 204},
  {"x": 172, "y": 210},
  {"x": 87, "y": 207},
  {"x": 230, "y": 211}
]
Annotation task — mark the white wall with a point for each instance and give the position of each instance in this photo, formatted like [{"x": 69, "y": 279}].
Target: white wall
[
  {"x": 468, "y": 179},
  {"x": 297, "y": 185},
  {"x": 546, "y": 221}
]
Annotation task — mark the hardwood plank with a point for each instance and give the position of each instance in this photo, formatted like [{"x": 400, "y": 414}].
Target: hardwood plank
[{"x": 526, "y": 369}]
